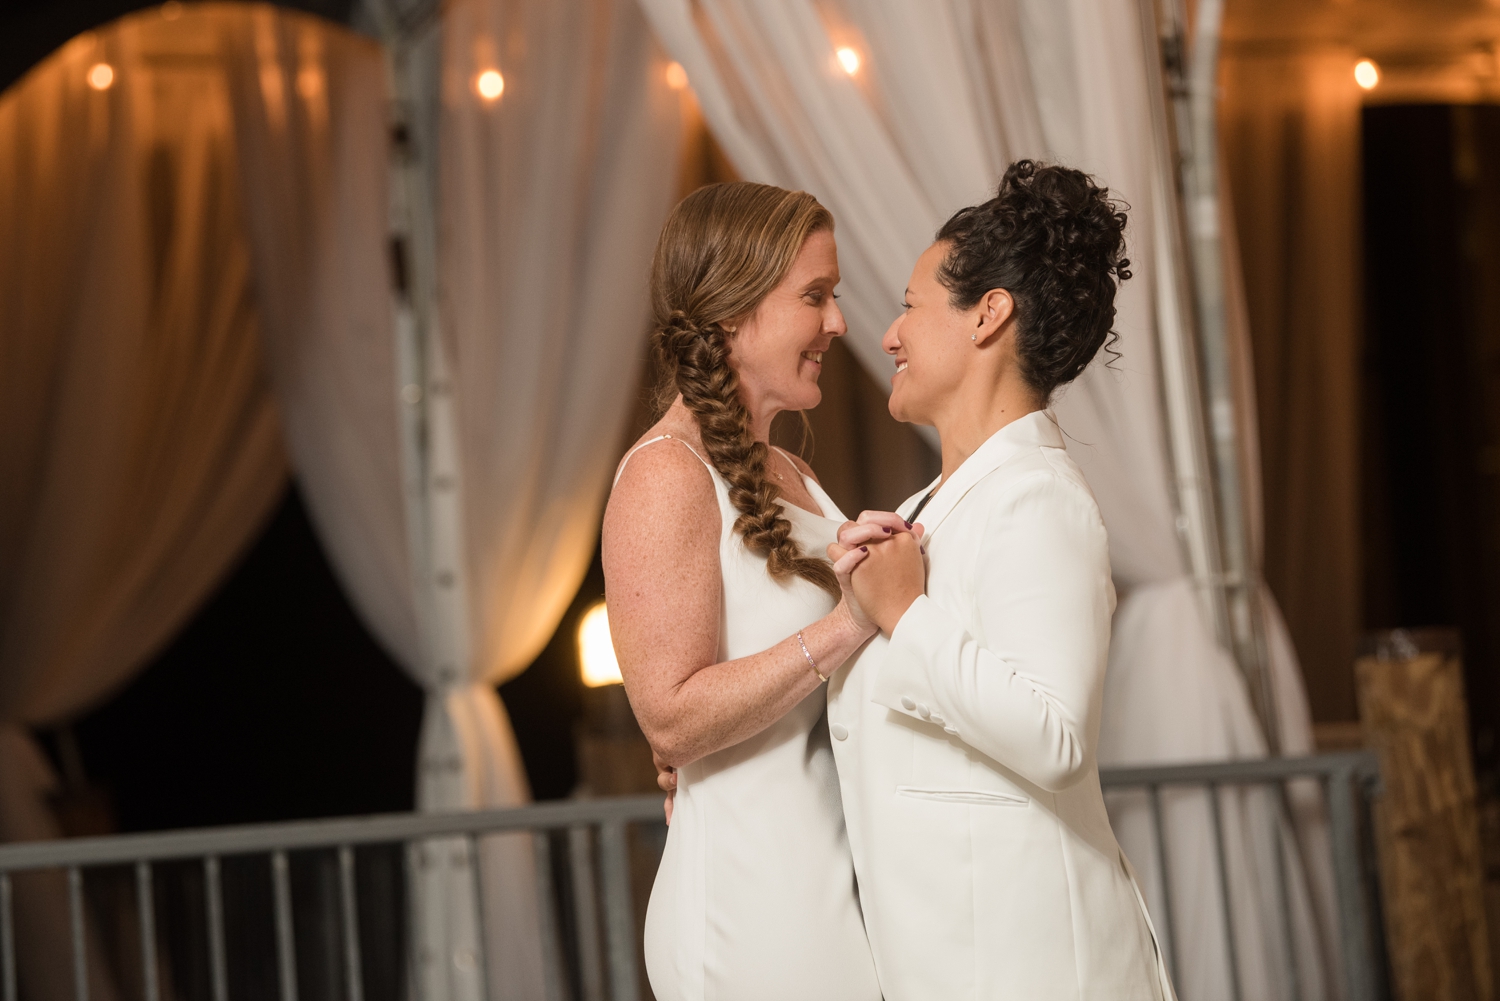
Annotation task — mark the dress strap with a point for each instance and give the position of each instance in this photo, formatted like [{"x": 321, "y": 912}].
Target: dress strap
[{"x": 661, "y": 437}]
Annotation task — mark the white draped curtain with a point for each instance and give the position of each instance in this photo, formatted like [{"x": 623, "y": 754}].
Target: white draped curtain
[
  {"x": 547, "y": 205},
  {"x": 140, "y": 450},
  {"x": 206, "y": 243},
  {"x": 946, "y": 95}
]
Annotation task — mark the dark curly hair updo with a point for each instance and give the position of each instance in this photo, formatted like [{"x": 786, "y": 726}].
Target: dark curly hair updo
[
  {"x": 1055, "y": 241},
  {"x": 724, "y": 248}
]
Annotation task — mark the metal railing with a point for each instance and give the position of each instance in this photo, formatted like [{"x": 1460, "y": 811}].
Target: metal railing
[
  {"x": 1348, "y": 782},
  {"x": 605, "y": 950}
]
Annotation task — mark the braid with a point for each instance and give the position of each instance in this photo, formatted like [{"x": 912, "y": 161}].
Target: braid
[{"x": 697, "y": 359}]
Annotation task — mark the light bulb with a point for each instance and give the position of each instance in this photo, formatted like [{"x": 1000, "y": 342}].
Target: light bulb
[
  {"x": 490, "y": 85},
  {"x": 676, "y": 76},
  {"x": 849, "y": 59},
  {"x": 596, "y": 651},
  {"x": 101, "y": 76},
  {"x": 1366, "y": 74}
]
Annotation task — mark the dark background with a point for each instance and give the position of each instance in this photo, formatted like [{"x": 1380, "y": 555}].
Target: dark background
[{"x": 1432, "y": 385}]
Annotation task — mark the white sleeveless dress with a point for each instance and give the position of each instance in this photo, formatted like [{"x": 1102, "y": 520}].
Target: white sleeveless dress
[{"x": 755, "y": 896}]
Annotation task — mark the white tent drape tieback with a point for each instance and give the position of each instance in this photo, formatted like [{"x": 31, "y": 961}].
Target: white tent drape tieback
[{"x": 468, "y": 759}]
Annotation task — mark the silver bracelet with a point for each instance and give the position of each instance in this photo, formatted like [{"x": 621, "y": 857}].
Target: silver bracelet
[{"x": 810, "y": 662}]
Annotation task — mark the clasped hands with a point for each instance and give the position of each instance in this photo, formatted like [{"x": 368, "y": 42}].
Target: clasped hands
[{"x": 881, "y": 567}]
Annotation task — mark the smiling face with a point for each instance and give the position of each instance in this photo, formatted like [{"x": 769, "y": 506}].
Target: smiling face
[
  {"x": 778, "y": 350},
  {"x": 930, "y": 343}
]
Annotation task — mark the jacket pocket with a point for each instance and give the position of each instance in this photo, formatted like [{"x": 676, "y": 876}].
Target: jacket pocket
[{"x": 974, "y": 797}]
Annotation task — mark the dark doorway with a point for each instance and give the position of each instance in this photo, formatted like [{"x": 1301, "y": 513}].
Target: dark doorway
[{"x": 1432, "y": 385}]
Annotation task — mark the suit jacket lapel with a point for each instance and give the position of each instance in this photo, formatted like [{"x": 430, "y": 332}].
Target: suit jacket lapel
[{"x": 1036, "y": 430}]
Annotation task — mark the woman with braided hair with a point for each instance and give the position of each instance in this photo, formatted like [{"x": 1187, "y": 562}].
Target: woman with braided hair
[{"x": 726, "y": 617}]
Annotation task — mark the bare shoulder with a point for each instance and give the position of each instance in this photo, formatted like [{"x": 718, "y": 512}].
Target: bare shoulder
[{"x": 663, "y": 489}]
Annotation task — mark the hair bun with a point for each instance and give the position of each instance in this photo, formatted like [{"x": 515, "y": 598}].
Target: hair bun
[{"x": 1055, "y": 240}]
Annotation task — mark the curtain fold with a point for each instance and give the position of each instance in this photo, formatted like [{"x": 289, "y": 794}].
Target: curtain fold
[
  {"x": 142, "y": 450},
  {"x": 545, "y": 207},
  {"x": 1291, "y": 148},
  {"x": 946, "y": 95}
]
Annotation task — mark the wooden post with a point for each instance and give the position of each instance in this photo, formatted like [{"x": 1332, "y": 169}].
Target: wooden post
[{"x": 1411, "y": 704}]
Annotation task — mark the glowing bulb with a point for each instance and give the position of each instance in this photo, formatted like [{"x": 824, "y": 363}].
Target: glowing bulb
[
  {"x": 596, "y": 651},
  {"x": 490, "y": 85},
  {"x": 676, "y": 76},
  {"x": 1366, "y": 74},
  {"x": 849, "y": 59},
  {"x": 101, "y": 76}
]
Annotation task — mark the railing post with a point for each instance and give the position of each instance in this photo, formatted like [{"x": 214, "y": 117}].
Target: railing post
[
  {"x": 586, "y": 912},
  {"x": 1354, "y": 923},
  {"x": 146, "y": 913},
  {"x": 286, "y": 955},
  {"x": 7, "y": 940},
  {"x": 619, "y": 917},
  {"x": 349, "y": 906},
  {"x": 213, "y": 894},
  {"x": 79, "y": 934}
]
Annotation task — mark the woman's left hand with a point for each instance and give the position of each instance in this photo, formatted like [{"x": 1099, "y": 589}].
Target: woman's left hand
[{"x": 890, "y": 578}]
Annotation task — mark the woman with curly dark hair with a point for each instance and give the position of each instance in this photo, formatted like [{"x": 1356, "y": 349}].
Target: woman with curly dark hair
[{"x": 965, "y": 735}]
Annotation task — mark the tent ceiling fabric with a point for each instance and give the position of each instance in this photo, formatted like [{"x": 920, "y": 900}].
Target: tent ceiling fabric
[{"x": 946, "y": 94}]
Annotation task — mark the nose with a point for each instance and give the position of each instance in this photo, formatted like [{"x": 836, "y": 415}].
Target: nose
[
  {"x": 833, "y": 320},
  {"x": 891, "y": 342}
]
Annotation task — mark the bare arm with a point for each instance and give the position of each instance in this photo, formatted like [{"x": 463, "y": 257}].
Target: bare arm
[{"x": 663, "y": 581}]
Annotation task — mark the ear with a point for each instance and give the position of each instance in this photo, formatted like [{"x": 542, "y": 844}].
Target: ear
[{"x": 991, "y": 314}]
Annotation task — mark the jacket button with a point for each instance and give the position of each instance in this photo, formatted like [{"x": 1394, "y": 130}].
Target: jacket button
[
  {"x": 939, "y": 720},
  {"x": 923, "y": 711},
  {"x": 949, "y": 729},
  {"x": 839, "y": 731},
  {"x": 908, "y": 703}
]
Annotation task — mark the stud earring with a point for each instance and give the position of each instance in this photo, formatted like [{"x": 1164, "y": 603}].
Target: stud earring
[{"x": 974, "y": 338}]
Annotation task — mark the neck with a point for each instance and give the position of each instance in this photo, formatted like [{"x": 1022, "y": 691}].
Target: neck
[
  {"x": 973, "y": 418},
  {"x": 760, "y": 424}
]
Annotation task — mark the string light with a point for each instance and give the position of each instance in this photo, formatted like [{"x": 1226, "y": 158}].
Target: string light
[
  {"x": 596, "y": 651},
  {"x": 676, "y": 76},
  {"x": 849, "y": 59},
  {"x": 490, "y": 85},
  {"x": 101, "y": 76},
  {"x": 1366, "y": 74}
]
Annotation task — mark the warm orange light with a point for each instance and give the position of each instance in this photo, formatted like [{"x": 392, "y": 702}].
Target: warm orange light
[
  {"x": 101, "y": 76},
  {"x": 490, "y": 85},
  {"x": 171, "y": 10},
  {"x": 596, "y": 651},
  {"x": 676, "y": 76},
  {"x": 849, "y": 59},
  {"x": 1366, "y": 74}
]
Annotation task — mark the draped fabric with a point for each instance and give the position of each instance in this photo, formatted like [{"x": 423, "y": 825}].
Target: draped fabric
[
  {"x": 1291, "y": 141},
  {"x": 141, "y": 450},
  {"x": 946, "y": 95},
  {"x": 548, "y": 203}
]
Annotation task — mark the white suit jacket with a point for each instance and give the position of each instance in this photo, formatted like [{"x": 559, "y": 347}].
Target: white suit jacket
[{"x": 965, "y": 748}]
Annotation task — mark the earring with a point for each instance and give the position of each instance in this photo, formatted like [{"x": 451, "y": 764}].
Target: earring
[{"x": 974, "y": 338}]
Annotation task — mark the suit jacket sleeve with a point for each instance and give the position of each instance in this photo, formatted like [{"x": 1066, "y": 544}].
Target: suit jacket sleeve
[{"x": 1027, "y": 691}]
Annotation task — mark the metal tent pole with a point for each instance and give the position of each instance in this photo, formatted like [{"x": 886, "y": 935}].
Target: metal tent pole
[{"x": 1197, "y": 381}]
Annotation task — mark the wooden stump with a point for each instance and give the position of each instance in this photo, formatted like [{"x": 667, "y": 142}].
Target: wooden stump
[{"x": 1427, "y": 829}]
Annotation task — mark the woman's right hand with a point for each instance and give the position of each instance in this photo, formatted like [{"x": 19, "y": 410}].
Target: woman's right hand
[{"x": 855, "y": 539}]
